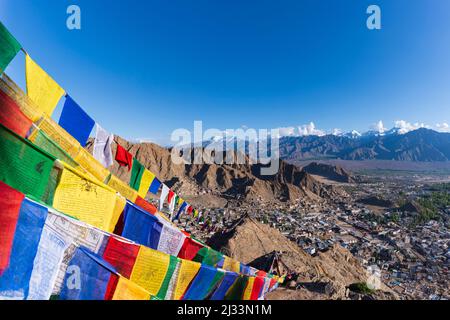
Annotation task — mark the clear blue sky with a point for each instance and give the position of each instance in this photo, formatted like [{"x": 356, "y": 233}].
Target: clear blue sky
[{"x": 144, "y": 68}]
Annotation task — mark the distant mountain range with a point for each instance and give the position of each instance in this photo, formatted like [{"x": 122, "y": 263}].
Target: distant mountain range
[{"x": 418, "y": 145}]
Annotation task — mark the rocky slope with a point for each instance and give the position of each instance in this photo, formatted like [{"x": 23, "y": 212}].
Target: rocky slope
[
  {"x": 325, "y": 276},
  {"x": 243, "y": 181}
]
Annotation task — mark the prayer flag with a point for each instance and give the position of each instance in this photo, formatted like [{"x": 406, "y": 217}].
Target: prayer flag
[
  {"x": 12, "y": 117},
  {"x": 123, "y": 157},
  {"x": 102, "y": 146},
  {"x": 188, "y": 270},
  {"x": 121, "y": 254},
  {"x": 164, "y": 193},
  {"x": 76, "y": 121},
  {"x": 189, "y": 249},
  {"x": 171, "y": 239},
  {"x": 172, "y": 200},
  {"x": 14, "y": 282},
  {"x": 10, "y": 203},
  {"x": 85, "y": 199},
  {"x": 248, "y": 289},
  {"x": 147, "y": 206},
  {"x": 141, "y": 227},
  {"x": 257, "y": 289},
  {"x": 237, "y": 290},
  {"x": 228, "y": 280},
  {"x": 204, "y": 282},
  {"x": 181, "y": 210},
  {"x": 24, "y": 167},
  {"x": 136, "y": 174},
  {"x": 165, "y": 291},
  {"x": 9, "y": 47},
  {"x": 154, "y": 186},
  {"x": 121, "y": 187},
  {"x": 150, "y": 269},
  {"x": 87, "y": 277},
  {"x": 41, "y": 88},
  {"x": 128, "y": 290},
  {"x": 145, "y": 183}
]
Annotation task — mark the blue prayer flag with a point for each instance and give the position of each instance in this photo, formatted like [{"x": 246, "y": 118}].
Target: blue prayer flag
[
  {"x": 141, "y": 227},
  {"x": 202, "y": 284},
  {"x": 180, "y": 211},
  {"x": 87, "y": 277},
  {"x": 14, "y": 282},
  {"x": 225, "y": 285},
  {"x": 154, "y": 187},
  {"x": 76, "y": 121}
]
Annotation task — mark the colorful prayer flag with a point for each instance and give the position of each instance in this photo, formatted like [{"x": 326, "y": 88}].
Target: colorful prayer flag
[
  {"x": 121, "y": 254},
  {"x": 76, "y": 121},
  {"x": 164, "y": 193},
  {"x": 141, "y": 227},
  {"x": 123, "y": 157},
  {"x": 154, "y": 186},
  {"x": 228, "y": 280},
  {"x": 41, "y": 88},
  {"x": 204, "y": 283},
  {"x": 102, "y": 146},
  {"x": 87, "y": 277},
  {"x": 9, "y": 47},
  {"x": 188, "y": 270},
  {"x": 10, "y": 203},
  {"x": 25, "y": 167},
  {"x": 14, "y": 282},
  {"x": 150, "y": 269},
  {"x": 12, "y": 117}
]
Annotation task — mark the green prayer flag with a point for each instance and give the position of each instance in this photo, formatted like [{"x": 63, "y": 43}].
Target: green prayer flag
[
  {"x": 23, "y": 166},
  {"x": 44, "y": 142},
  {"x": 212, "y": 258},
  {"x": 136, "y": 174},
  {"x": 165, "y": 285},
  {"x": 8, "y": 47}
]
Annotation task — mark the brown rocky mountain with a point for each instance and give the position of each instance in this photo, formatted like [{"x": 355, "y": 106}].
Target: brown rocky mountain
[
  {"x": 335, "y": 173},
  {"x": 242, "y": 181}
]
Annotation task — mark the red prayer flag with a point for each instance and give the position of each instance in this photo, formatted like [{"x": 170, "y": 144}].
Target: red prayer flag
[
  {"x": 123, "y": 157},
  {"x": 147, "y": 206},
  {"x": 121, "y": 255},
  {"x": 189, "y": 249},
  {"x": 12, "y": 117},
  {"x": 258, "y": 285},
  {"x": 189, "y": 210},
  {"x": 10, "y": 203},
  {"x": 170, "y": 196},
  {"x": 111, "y": 288}
]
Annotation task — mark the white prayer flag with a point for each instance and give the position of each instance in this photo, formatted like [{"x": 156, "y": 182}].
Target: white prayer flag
[
  {"x": 102, "y": 146},
  {"x": 164, "y": 192}
]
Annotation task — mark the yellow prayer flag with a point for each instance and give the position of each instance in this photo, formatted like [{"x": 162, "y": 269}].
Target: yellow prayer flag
[
  {"x": 66, "y": 142},
  {"x": 89, "y": 163},
  {"x": 227, "y": 263},
  {"x": 146, "y": 181},
  {"x": 121, "y": 187},
  {"x": 188, "y": 271},
  {"x": 128, "y": 290},
  {"x": 41, "y": 88},
  {"x": 121, "y": 202},
  {"x": 150, "y": 269},
  {"x": 235, "y": 266},
  {"x": 248, "y": 289},
  {"x": 78, "y": 196}
]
